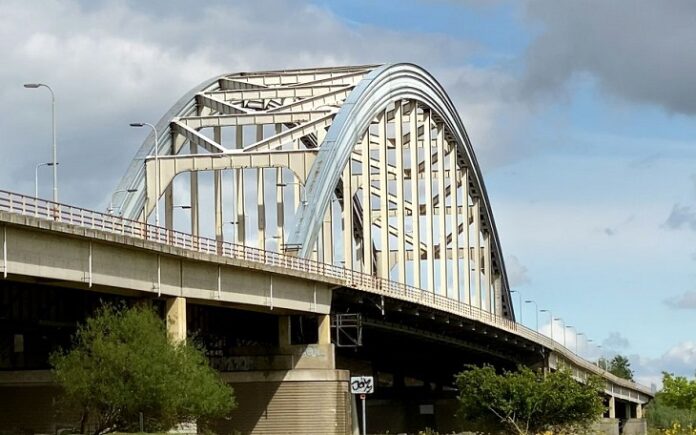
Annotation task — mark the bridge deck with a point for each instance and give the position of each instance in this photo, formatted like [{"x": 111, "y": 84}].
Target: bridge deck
[{"x": 60, "y": 218}]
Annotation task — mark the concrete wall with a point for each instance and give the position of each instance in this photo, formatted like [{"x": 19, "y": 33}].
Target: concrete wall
[
  {"x": 84, "y": 258},
  {"x": 606, "y": 426},
  {"x": 277, "y": 402},
  {"x": 635, "y": 426},
  {"x": 295, "y": 402}
]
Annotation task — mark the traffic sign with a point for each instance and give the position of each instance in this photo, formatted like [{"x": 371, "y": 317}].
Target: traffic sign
[{"x": 362, "y": 385}]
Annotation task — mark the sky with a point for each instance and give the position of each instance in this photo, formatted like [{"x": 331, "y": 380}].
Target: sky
[{"x": 582, "y": 115}]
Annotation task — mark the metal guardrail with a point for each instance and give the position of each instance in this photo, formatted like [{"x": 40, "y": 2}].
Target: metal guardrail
[{"x": 48, "y": 210}]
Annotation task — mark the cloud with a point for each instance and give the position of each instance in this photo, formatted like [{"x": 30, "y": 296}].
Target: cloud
[
  {"x": 685, "y": 301},
  {"x": 681, "y": 216},
  {"x": 112, "y": 63},
  {"x": 638, "y": 50},
  {"x": 616, "y": 341},
  {"x": 614, "y": 229},
  {"x": 680, "y": 359},
  {"x": 516, "y": 272}
]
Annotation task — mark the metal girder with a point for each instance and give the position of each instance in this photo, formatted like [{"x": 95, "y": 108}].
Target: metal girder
[
  {"x": 195, "y": 137},
  {"x": 275, "y": 93},
  {"x": 197, "y": 122}
]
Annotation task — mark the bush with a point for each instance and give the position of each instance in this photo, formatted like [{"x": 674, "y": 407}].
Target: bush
[{"x": 122, "y": 364}]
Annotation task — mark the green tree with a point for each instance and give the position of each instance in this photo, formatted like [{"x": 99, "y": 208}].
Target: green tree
[
  {"x": 527, "y": 401},
  {"x": 618, "y": 366},
  {"x": 122, "y": 364},
  {"x": 678, "y": 391}
]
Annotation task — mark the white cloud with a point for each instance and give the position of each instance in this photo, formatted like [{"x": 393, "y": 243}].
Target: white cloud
[
  {"x": 516, "y": 272},
  {"x": 680, "y": 359}
]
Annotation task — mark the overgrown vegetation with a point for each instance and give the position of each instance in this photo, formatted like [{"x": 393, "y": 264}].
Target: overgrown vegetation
[
  {"x": 529, "y": 402},
  {"x": 122, "y": 364},
  {"x": 673, "y": 411}
]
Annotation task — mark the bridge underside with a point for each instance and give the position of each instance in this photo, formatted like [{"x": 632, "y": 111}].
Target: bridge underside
[
  {"x": 269, "y": 356},
  {"x": 272, "y": 357}
]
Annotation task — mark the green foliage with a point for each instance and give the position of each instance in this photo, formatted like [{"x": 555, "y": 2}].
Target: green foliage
[
  {"x": 661, "y": 415},
  {"x": 678, "y": 392},
  {"x": 122, "y": 363},
  {"x": 617, "y": 366},
  {"x": 526, "y": 401}
]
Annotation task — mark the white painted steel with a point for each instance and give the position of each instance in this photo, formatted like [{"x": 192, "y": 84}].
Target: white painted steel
[{"x": 321, "y": 135}]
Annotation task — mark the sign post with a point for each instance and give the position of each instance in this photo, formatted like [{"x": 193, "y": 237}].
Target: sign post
[{"x": 362, "y": 385}]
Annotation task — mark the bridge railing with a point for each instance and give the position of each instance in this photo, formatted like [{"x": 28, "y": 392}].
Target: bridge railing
[{"x": 48, "y": 210}]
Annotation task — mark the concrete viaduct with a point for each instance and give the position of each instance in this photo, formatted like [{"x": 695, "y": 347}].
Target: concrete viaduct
[{"x": 361, "y": 241}]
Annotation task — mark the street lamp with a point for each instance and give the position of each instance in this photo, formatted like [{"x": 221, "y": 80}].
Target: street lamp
[
  {"x": 550, "y": 318},
  {"x": 157, "y": 181},
  {"x": 110, "y": 210},
  {"x": 53, "y": 129},
  {"x": 576, "y": 336},
  {"x": 303, "y": 198},
  {"x": 564, "y": 335},
  {"x": 536, "y": 308},
  {"x": 36, "y": 177},
  {"x": 576, "y": 339},
  {"x": 519, "y": 303}
]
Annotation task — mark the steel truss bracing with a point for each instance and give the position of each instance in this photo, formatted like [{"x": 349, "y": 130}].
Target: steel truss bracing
[{"x": 367, "y": 167}]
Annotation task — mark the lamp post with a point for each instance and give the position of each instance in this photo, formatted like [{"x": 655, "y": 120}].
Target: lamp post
[
  {"x": 303, "y": 198},
  {"x": 576, "y": 337},
  {"x": 36, "y": 177},
  {"x": 110, "y": 210},
  {"x": 536, "y": 309},
  {"x": 53, "y": 129},
  {"x": 550, "y": 318},
  {"x": 157, "y": 181},
  {"x": 519, "y": 302},
  {"x": 564, "y": 335}
]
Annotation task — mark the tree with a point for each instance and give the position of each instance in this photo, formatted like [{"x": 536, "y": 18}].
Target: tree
[
  {"x": 678, "y": 392},
  {"x": 527, "y": 401},
  {"x": 618, "y": 366},
  {"x": 122, "y": 364}
]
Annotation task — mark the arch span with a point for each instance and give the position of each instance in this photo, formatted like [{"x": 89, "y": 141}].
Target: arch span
[{"x": 383, "y": 174}]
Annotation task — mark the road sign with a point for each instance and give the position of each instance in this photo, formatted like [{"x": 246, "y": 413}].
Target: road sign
[{"x": 362, "y": 385}]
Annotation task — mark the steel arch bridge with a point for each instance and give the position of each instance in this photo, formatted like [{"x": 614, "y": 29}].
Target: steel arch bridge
[{"x": 365, "y": 167}]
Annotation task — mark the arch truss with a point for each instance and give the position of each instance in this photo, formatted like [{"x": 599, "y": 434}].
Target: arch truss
[{"x": 368, "y": 167}]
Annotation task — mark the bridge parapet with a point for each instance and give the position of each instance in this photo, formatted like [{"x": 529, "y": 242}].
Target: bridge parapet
[{"x": 44, "y": 212}]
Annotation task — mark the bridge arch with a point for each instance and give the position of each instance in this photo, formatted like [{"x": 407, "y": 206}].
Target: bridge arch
[{"x": 345, "y": 126}]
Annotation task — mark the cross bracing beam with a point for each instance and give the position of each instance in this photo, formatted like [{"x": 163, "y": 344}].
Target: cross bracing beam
[
  {"x": 292, "y": 134},
  {"x": 227, "y": 83},
  {"x": 218, "y": 105},
  {"x": 275, "y": 93},
  {"x": 198, "y": 122},
  {"x": 195, "y": 137},
  {"x": 327, "y": 99},
  {"x": 286, "y": 78}
]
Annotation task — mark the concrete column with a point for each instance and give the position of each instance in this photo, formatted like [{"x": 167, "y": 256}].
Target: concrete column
[
  {"x": 176, "y": 319},
  {"x": 324, "y": 329},
  {"x": 639, "y": 410},
  {"x": 629, "y": 413},
  {"x": 612, "y": 407},
  {"x": 284, "y": 331}
]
